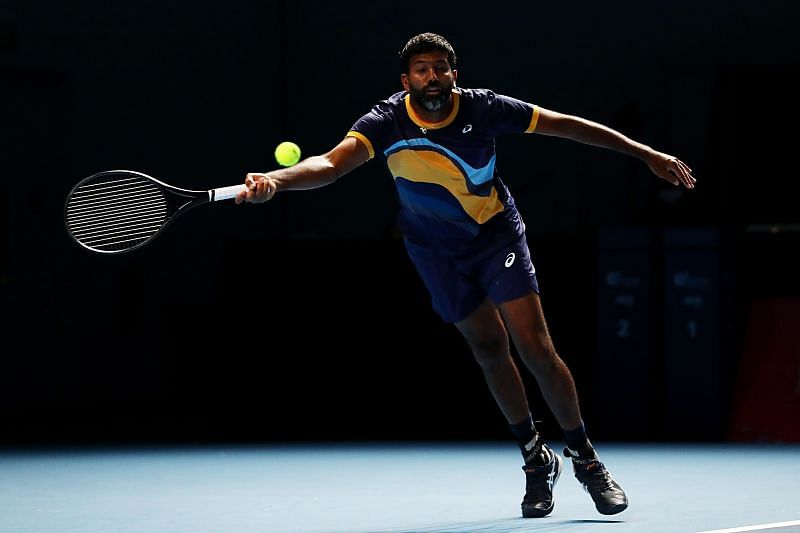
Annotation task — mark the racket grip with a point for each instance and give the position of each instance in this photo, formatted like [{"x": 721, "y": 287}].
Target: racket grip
[{"x": 225, "y": 193}]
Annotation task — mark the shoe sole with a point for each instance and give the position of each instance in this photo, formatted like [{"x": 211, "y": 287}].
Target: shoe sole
[
  {"x": 539, "y": 513},
  {"x": 614, "y": 509}
]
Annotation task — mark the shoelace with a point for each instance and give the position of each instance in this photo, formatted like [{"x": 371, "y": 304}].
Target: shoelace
[{"x": 593, "y": 473}]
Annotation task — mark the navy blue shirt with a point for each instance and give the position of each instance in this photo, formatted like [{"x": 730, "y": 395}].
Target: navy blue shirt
[{"x": 450, "y": 193}]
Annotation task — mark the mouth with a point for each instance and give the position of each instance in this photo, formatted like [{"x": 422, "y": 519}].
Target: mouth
[{"x": 433, "y": 90}]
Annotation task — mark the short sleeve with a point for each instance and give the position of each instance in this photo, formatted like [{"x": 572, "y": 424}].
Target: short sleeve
[
  {"x": 372, "y": 129},
  {"x": 509, "y": 115}
]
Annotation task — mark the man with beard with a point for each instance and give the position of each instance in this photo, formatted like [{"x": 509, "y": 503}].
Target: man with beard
[{"x": 467, "y": 240}]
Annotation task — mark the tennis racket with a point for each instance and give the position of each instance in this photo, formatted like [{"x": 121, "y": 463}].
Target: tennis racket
[{"x": 118, "y": 211}]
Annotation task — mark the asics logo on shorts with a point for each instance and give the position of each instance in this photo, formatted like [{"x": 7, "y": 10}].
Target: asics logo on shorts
[{"x": 510, "y": 259}]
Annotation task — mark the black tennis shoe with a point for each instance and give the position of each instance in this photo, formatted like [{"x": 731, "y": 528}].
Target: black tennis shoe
[
  {"x": 608, "y": 496},
  {"x": 541, "y": 474}
]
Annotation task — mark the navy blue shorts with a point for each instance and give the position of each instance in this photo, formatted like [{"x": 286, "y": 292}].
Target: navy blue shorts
[{"x": 459, "y": 284}]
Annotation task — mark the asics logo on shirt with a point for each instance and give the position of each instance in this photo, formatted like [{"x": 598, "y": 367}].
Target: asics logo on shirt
[
  {"x": 510, "y": 259},
  {"x": 467, "y": 128}
]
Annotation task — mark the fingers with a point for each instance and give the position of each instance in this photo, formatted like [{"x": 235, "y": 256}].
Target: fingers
[
  {"x": 688, "y": 172},
  {"x": 673, "y": 170},
  {"x": 245, "y": 196},
  {"x": 672, "y": 178},
  {"x": 681, "y": 170},
  {"x": 260, "y": 188}
]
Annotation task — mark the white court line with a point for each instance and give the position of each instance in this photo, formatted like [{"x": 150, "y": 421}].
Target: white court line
[{"x": 754, "y": 528}]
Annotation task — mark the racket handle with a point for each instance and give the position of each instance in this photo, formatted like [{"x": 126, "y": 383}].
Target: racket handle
[{"x": 225, "y": 193}]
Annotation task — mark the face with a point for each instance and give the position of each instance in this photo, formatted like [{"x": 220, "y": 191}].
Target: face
[{"x": 429, "y": 80}]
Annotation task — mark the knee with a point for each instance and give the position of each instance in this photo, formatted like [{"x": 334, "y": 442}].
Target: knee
[
  {"x": 539, "y": 353},
  {"x": 490, "y": 352}
]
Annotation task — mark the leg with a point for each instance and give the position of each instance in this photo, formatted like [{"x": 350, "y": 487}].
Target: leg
[
  {"x": 487, "y": 338},
  {"x": 526, "y": 323}
]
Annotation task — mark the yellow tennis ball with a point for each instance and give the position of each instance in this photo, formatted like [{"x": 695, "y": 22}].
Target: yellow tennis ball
[{"x": 287, "y": 154}]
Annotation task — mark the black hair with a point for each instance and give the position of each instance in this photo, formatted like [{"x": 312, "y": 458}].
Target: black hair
[{"x": 423, "y": 43}]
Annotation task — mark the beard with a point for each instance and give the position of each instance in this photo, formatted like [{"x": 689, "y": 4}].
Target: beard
[{"x": 432, "y": 102}]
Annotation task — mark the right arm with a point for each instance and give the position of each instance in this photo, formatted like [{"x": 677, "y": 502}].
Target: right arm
[{"x": 311, "y": 173}]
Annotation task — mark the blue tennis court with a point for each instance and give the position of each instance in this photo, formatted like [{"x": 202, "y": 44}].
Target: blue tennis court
[{"x": 387, "y": 488}]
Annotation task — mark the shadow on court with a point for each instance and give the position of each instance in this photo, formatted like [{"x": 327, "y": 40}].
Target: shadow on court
[{"x": 505, "y": 524}]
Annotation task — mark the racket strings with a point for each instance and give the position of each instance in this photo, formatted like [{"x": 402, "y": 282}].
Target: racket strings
[
  {"x": 110, "y": 199},
  {"x": 116, "y": 212}
]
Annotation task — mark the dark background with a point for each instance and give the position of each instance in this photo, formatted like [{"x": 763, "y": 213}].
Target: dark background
[{"x": 303, "y": 319}]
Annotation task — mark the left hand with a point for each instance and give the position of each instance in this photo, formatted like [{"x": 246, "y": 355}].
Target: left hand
[{"x": 671, "y": 168}]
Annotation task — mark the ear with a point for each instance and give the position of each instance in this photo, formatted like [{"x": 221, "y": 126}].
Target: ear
[
  {"x": 455, "y": 77},
  {"x": 404, "y": 82}
]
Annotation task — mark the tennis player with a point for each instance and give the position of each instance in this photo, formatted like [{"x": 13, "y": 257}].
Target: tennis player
[{"x": 467, "y": 239}]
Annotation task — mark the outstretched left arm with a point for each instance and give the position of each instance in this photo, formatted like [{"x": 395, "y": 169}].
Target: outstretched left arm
[{"x": 585, "y": 131}]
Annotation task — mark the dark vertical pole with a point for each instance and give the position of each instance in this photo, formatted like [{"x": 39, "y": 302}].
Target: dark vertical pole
[
  {"x": 623, "y": 341},
  {"x": 692, "y": 364}
]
